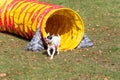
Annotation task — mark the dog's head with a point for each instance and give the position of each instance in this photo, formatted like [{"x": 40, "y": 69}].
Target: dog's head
[
  {"x": 52, "y": 39},
  {"x": 48, "y": 39}
]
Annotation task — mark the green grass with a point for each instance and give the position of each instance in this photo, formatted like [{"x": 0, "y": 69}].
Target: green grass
[{"x": 100, "y": 62}]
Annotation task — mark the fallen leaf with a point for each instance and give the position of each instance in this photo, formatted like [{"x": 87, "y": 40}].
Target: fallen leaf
[
  {"x": 105, "y": 78},
  {"x": 93, "y": 29},
  {"x": 65, "y": 60},
  {"x": 83, "y": 55},
  {"x": 0, "y": 41},
  {"x": 12, "y": 39},
  {"x": 17, "y": 72},
  {"x": 49, "y": 79},
  {"x": 97, "y": 25},
  {"x": 77, "y": 11},
  {"x": 2, "y": 75}
]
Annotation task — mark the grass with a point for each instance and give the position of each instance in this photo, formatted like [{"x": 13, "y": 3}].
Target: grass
[{"x": 100, "y": 62}]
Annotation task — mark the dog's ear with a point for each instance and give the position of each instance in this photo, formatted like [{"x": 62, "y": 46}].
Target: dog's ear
[
  {"x": 53, "y": 35},
  {"x": 48, "y": 34}
]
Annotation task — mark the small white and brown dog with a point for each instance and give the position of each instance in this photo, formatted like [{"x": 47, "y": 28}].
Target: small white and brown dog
[{"x": 53, "y": 43}]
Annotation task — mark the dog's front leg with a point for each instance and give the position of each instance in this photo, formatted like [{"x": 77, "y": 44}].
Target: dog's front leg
[
  {"x": 53, "y": 53},
  {"x": 48, "y": 51}
]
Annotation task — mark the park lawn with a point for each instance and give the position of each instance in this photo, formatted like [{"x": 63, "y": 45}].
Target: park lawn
[{"x": 100, "y": 62}]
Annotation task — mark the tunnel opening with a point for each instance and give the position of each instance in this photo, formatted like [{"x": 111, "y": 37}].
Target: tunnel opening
[{"x": 68, "y": 25}]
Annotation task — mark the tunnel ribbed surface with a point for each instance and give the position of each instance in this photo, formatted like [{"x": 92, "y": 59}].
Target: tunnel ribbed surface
[{"x": 24, "y": 17}]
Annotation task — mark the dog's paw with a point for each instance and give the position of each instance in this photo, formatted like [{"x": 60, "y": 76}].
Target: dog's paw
[{"x": 51, "y": 57}]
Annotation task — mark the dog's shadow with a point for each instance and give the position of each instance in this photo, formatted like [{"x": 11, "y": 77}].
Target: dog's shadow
[{"x": 45, "y": 53}]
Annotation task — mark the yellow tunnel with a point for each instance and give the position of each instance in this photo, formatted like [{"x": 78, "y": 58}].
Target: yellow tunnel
[{"x": 23, "y": 17}]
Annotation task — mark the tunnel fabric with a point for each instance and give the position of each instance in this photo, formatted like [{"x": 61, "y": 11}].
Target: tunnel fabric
[{"x": 23, "y": 17}]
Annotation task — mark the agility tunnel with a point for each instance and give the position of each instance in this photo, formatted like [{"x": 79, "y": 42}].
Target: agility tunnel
[{"x": 23, "y": 17}]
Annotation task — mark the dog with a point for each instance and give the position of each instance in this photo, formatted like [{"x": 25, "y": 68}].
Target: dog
[{"x": 53, "y": 43}]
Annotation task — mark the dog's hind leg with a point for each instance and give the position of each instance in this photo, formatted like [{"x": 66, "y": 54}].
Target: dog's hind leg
[{"x": 58, "y": 50}]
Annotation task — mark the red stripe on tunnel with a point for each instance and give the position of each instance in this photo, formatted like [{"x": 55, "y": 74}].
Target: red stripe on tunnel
[
  {"x": 15, "y": 29},
  {"x": 30, "y": 32},
  {"x": 1, "y": 10},
  {"x": 10, "y": 23},
  {"x": 6, "y": 19}
]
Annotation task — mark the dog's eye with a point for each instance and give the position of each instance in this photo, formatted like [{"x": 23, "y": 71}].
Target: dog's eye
[{"x": 49, "y": 37}]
